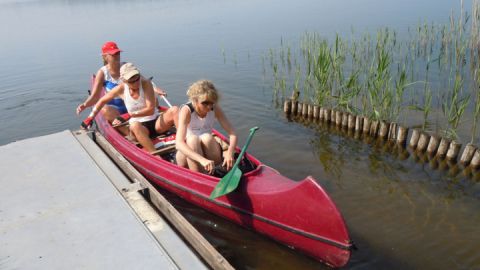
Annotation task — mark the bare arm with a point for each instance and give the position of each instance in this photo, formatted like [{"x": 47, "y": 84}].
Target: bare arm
[
  {"x": 95, "y": 94},
  {"x": 115, "y": 92},
  {"x": 232, "y": 136}
]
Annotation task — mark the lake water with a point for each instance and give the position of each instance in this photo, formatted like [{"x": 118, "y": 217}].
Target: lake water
[{"x": 401, "y": 212}]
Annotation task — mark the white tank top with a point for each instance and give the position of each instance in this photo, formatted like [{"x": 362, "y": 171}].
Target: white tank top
[
  {"x": 198, "y": 125},
  {"x": 135, "y": 105}
]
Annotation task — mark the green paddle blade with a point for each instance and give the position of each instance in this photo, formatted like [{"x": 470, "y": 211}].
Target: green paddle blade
[{"x": 230, "y": 181}]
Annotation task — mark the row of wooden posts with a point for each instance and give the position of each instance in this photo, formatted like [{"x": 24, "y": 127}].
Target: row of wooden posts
[{"x": 421, "y": 141}]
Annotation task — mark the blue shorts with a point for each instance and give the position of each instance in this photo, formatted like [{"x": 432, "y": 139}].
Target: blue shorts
[{"x": 118, "y": 104}]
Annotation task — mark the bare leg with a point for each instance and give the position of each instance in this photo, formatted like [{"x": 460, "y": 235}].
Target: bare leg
[
  {"x": 211, "y": 148},
  {"x": 141, "y": 133},
  {"x": 166, "y": 120},
  {"x": 195, "y": 144},
  {"x": 110, "y": 114},
  {"x": 181, "y": 159}
]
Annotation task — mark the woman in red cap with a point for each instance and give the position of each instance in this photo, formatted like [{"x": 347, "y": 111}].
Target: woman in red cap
[
  {"x": 107, "y": 77},
  {"x": 138, "y": 97}
]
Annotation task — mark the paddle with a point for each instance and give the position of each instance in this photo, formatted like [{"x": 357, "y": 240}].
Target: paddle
[{"x": 230, "y": 181}]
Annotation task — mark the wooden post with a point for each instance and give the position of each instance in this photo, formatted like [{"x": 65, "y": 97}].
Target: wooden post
[
  {"x": 467, "y": 154},
  {"x": 392, "y": 132},
  {"x": 423, "y": 141},
  {"x": 305, "y": 110},
  {"x": 382, "y": 133},
  {"x": 475, "y": 163},
  {"x": 338, "y": 118},
  {"x": 443, "y": 148},
  {"x": 351, "y": 121},
  {"x": 299, "y": 108},
  {"x": 321, "y": 115},
  {"x": 294, "y": 107},
  {"x": 433, "y": 145},
  {"x": 345, "y": 120},
  {"x": 402, "y": 135},
  {"x": 358, "y": 123},
  {"x": 366, "y": 125},
  {"x": 374, "y": 128},
  {"x": 316, "y": 111},
  {"x": 414, "y": 139},
  {"x": 327, "y": 115},
  {"x": 453, "y": 150},
  {"x": 287, "y": 106},
  {"x": 333, "y": 118}
]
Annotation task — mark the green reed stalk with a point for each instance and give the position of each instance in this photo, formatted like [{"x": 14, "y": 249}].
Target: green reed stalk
[{"x": 454, "y": 106}]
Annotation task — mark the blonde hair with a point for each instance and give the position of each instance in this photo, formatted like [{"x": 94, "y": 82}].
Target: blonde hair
[{"x": 203, "y": 88}]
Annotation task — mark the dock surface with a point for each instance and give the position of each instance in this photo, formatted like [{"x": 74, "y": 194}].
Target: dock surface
[{"x": 60, "y": 210}]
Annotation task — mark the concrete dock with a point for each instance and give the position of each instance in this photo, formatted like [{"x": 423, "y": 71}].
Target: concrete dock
[{"x": 61, "y": 208}]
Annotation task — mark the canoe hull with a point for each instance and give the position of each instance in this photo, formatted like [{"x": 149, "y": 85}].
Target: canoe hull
[{"x": 298, "y": 214}]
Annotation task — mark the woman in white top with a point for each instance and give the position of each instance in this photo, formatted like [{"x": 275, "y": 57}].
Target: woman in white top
[
  {"x": 197, "y": 149},
  {"x": 138, "y": 95}
]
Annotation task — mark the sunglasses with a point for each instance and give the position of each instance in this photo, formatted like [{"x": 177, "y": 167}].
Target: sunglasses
[
  {"x": 207, "y": 103},
  {"x": 134, "y": 79}
]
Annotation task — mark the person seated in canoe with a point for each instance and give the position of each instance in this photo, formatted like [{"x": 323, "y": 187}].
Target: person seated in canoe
[
  {"x": 108, "y": 77},
  {"x": 197, "y": 148},
  {"x": 138, "y": 95}
]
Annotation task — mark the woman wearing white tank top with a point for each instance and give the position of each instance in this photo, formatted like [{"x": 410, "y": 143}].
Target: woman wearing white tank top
[
  {"x": 197, "y": 149},
  {"x": 138, "y": 95}
]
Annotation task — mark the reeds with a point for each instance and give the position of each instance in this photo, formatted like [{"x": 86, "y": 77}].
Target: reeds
[{"x": 388, "y": 78}]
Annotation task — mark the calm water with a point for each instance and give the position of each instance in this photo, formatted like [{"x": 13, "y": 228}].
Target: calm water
[{"x": 401, "y": 212}]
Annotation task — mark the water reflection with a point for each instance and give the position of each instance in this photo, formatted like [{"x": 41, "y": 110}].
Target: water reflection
[{"x": 338, "y": 150}]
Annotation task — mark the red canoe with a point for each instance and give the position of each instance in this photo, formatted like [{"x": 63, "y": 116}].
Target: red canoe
[{"x": 298, "y": 214}]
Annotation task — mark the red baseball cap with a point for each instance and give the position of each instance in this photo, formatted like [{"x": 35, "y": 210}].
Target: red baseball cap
[{"x": 110, "y": 47}]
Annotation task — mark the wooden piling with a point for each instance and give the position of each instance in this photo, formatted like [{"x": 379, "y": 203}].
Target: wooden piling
[
  {"x": 467, "y": 154},
  {"x": 414, "y": 139},
  {"x": 338, "y": 118},
  {"x": 374, "y": 128},
  {"x": 423, "y": 142},
  {"x": 475, "y": 163},
  {"x": 345, "y": 120},
  {"x": 402, "y": 135},
  {"x": 383, "y": 131},
  {"x": 287, "y": 106},
  {"x": 443, "y": 148},
  {"x": 299, "y": 109},
  {"x": 305, "y": 110},
  {"x": 294, "y": 107},
  {"x": 358, "y": 124},
  {"x": 332, "y": 116},
  {"x": 310, "y": 111},
  {"x": 433, "y": 145},
  {"x": 453, "y": 150},
  {"x": 327, "y": 115},
  {"x": 366, "y": 125},
  {"x": 392, "y": 132},
  {"x": 321, "y": 113},
  {"x": 351, "y": 121},
  {"x": 316, "y": 112}
]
